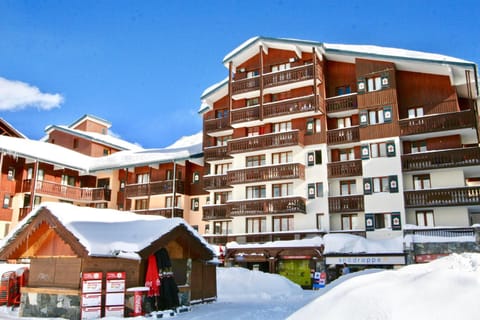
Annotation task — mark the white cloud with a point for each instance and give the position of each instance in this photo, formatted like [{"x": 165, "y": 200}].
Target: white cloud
[{"x": 16, "y": 95}]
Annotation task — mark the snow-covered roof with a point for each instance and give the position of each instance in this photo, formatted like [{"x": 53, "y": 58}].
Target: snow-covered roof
[
  {"x": 185, "y": 148},
  {"x": 352, "y": 244},
  {"x": 108, "y": 232},
  {"x": 12, "y": 128},
  {"x": 308, "y": 242},
  {"x": 93, "y": 118},
  {"x": 105, "y": 139}
]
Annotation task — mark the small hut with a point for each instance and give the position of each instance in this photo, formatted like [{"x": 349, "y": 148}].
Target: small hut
[{"x": 62, "y": 242}]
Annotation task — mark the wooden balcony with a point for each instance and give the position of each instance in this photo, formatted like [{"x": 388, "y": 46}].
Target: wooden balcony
[
  {"x": 344, "y": 135},
  {"x": 347, "y": 203},
  {"x": 441, "y": 159},
  {"x": 445, "y": 197},
  {"x": 164, "y": 212},
  {"x": 342, "y": 169},
  {"x": 436, "y": 123},
  {"x": 67, "y": 192},
  {"x": 246, "y": 114},
  {"x": 266, "y": 141},
  {"x": 270, "y": 173},
  {"x": 218, "y": 124},
  {"x": 342, "y": 103},
  {"x": 212, "y": 212},
  {"x": 273, "y": 79},
  {"x": 215, "y": 182},
  {"x": 23, "y": 213},
  {"x": 153, "y": 188},
  {"x": 267, "y": 206},
  {"x": 447, "y": 232},
  {"x": 288, "y": 107},
  {"x": 215, "y": 153}
]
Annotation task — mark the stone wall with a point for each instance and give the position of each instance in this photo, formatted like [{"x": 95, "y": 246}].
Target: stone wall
[{"x": 48, "y": 305}]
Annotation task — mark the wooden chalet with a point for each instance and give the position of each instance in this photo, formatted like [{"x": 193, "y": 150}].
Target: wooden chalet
[{"x": 63, "y": 241}]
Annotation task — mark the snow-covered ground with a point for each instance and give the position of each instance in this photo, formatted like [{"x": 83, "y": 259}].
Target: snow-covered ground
[{"x": 447, "y": 288}]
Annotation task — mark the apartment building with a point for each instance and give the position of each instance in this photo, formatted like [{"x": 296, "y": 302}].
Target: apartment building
[
  {"x": 305, "y": 138},
  {"x": 166, "y": 181}
]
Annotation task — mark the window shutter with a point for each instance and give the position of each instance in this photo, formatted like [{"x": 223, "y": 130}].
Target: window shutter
[
  {"x": 318, "y": 157},
  {"x": 387, "y": 114},
  {"x": 391, "y": 149},
  {"x": 385, "y": 81},
  {"x": 367, "y": 185},
  {"x": 310, "y": 159},
  {"x": 369, "y": 222},
  {"x": 365, "y": 152},
  {"x": 393, "y": 184},
  {"x": 196, "y": 177},
  {"x": 361, "y": 85},
  {"x": 10, "y": 174},
  {"x": 310, "y": 126},
  {"x": 6, "y": 201},
  {"x": 396, "y": 221},
  {"x": 363, "y": 118},
  {"x": 195, "y": 204},
  {"x": 311, "y": 191}
]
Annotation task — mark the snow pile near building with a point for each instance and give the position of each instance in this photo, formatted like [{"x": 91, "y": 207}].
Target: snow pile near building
[
  {"x": 240, "y": 284},
  {"x": 348, "y": 243},
  {"x": 446, "y": 288}
]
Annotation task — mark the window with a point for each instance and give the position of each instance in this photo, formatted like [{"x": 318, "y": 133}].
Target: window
[
  {"x": 222, "y": 141},
  {"x": 256, "y": 225},
  {"x": 348, "y": 187},
  {"x": 349, "y": 221},
  {"x": 222, "y": 168},
  {"x": 282, "y": 126},
  {"x": 319, "y": 187},
  {"x": 195, "y": 204},
  {"x": 253, "y": 131},
  {"x": 283, "y": 223},
  {"x": 421, "y": 182},
  {"x": 68, "y": 180},
  {"x": 342, "y": 90},
  {"x": 169, "y": 200},
  {"x": 103, "y": 183},
  {"x": 282, "y": 190},
  {"x": 222, "y": 113},
  {"x": 222, "y": 197},
  {"x": 282, "y": 157},
  {"x": 419, "y": 146},
  {"x": 375, "y": 116},
  {"x": 425, "y": 218},
  {"x": 320, "y": 217},
  {"x": 222, "y": 227},
  {"x": 75, "y": 143},
  {"x": 374, "y": 84},
  {"x": 143, "y": 178},
  {"x": 415, "y": 112},
  {"x": 255, "y": 161},
  {"x": 141, "y": 204},
  {"x": 6, "y": 201},
  {"x": 252, "y": 102},
  {"x": 106, "y": 152},
  {"x": 344, "y": 123},
  {"x": 30, "y": 173},
  {"x": 382, "y": 221},
  {"x": 169, "y": 174},
  {"x": 253, "y": 73},
  {"x": 347, "y": 154},
  {"x": 378, "y": 149},
  {"x": 281, "y": 67},
  {"x": 380, "y": 184},
  {"x": 255, "y": 192}
]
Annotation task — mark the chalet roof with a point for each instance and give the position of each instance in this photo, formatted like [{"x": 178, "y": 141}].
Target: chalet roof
[
  {"x": 186, "y": 148},
  {"x": 93, "y": 118},
  {"x": 102, "y": 232},
  {"x": 7, "y": 129},
  {"x": 105, "y": 139}
]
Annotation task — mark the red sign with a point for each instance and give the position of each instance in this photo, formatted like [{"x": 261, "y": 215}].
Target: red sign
[
  {"x": 296, "y": 257},
  {"x": 115, "y": 275},
  {"x": 422, "y": 258},
  {"x": 92, "y": 276}
]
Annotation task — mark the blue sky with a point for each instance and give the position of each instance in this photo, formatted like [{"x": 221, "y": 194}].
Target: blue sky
[{"x": 142, "y": 65}]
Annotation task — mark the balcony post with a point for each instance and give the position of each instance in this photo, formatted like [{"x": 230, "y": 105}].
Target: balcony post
[
  {"x": 230, "y": 78},
  {"x": 33, "y": 187},
  {"x": 173, "y": 187},
  {"x": 125, "y": 190},
  {"x": 261, "y": 83},
  {"x": 315, "y": 86}
]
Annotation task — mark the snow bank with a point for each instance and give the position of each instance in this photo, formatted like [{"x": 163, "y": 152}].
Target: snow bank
[
  {"x": 240, "y": 284},
  {"x": 447, "y": 288}
]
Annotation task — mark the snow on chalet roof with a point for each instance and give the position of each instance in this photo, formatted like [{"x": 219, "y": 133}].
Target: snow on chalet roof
[
  {"x": 310, "y": 242},
  {"x": 348, "y": 243},
  {"x": 184, "y": 148},
  {"x": 106, "y": 139},
  {"x": 109, "y": 232}
]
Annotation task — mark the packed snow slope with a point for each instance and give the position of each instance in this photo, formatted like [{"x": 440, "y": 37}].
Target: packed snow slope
[{"x": 447, "y": 288}]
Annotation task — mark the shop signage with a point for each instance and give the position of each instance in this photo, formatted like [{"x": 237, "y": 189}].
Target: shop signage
[
  {"x": 296, "y": 257},
  {"x": 367, "y": 260},
  {"x": 421, "y": 258}
]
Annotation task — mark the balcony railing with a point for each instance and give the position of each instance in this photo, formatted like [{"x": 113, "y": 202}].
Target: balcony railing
[
  {"x": 266, "y": 141},
  {"x": 342, "y": 103},
  {"x": 270, "y": 173},
  {"x": 290, "y": 106},
  {"x": 215, "y": 182},
  {"x": 442, "y": 197},
  {"x": 441, "y": 159},
  {"x": 246, "y": 114},
  {"x": 218, "y": 124},
  {"x": 341, "y": 169},
  {"x": 164, "y": 212},
  {"x": 273, "y": 79},
  {"x": 215, "y": 153},
  {"x": 439, "y": 122},
  {"x": 345, "y": 135},
  {"x": 153, "y": 188},
  {"x": 267, "y": 206},
  {"x": 348, "y": 203},
  {"x": 67, "y": 192},
  {"x": 454, "y": 232},
  {"x": 213, "y": 212}
]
